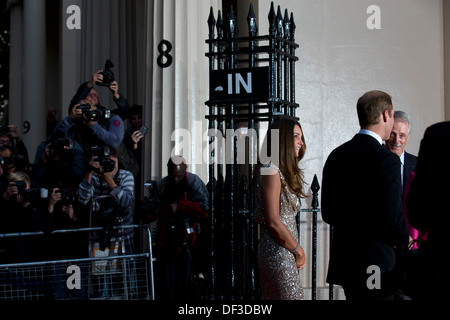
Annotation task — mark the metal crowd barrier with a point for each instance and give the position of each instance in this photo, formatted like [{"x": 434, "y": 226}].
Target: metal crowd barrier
[{"x": 107, "y": 275}]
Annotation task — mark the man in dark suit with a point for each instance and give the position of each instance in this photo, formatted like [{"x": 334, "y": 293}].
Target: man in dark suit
[
  {"x": 397, "y": 143},
  {"x": 362, "y": 200},
  {"x": 428, "y": 207}
]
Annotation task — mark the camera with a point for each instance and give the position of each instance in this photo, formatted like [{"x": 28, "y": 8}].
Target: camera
[
  {"x": 149, "y": 207},
  {"x": 67, "y": 196},
  {"x": 106, "y": 214},
  {"x": 108, "y": 75},
  {"x": 102, "y": 154},
  {"x": 94, "y": 115},
  {"x": 27, "y": 194},
  {"x": 6, "y": 160},
  {"x": 60, "y": 147},
  {"x": 152, "y": 187}
]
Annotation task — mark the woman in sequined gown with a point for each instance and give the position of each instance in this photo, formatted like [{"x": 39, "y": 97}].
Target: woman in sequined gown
[{"x": 279, "y": 187}]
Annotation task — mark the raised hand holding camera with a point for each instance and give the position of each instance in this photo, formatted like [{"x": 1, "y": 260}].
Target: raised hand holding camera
[
  {"x": 75, "y": 113},
  {"x": 114, "y": 87},
  {"x": 96, "y": 77},
  {"x": 100, "y": 159},
  {"x": 107, "y": 76}
]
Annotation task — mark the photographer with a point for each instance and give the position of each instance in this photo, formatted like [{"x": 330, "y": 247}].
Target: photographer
[
  {"x": 103, "y": 78},
  {"x": 82, "y": 125},
  {"x": 10, "y": 136},
  {"x": 133, "y": 135},
  {"x": 58, "y": 162},
  {"x": 110, "y": 192},
  {"x": 183, "y": 208},
  {"x": 64, "y": 212},
  {"x": 130, "y": 152},
  {"x": 21, "y": 212},
  {"x": 59, "y": 168},
  {"x": 7, "y": 165}
]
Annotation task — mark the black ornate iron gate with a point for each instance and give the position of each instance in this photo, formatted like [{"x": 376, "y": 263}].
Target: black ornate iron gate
[{"x": 252, "y": 80}]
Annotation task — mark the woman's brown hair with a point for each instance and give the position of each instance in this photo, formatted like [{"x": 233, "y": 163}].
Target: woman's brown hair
[{"x": 288, "y": 162}]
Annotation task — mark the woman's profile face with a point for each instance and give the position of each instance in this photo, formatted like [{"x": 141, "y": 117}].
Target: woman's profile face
[{"x": 298, "y": 142}]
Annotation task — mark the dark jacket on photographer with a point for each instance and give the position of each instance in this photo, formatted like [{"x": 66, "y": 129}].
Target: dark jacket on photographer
[
  {"x": 16, "y": 218},
  {"x": 176, "y": 229},
  {"x": 115, "y": 206},
  {"x": 96, "y": 135},
  {"x": 71, "y": 245},
  {"x": 68, "y": 168}
]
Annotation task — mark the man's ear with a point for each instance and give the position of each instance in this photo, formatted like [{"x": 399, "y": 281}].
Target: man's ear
[{"x": 386, "y": 115}]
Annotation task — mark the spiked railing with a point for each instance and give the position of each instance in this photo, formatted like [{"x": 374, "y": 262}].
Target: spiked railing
[{"x": 232, "y": 225}]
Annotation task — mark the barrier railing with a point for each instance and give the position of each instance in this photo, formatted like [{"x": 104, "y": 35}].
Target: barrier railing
[{"x": 104, "y": 275}]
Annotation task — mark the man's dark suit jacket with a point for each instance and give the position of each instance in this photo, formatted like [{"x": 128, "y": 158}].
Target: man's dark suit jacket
[
  {"x": 428, "y": 206},
  {"x": 362, "y": 200},
  {"x": 408, "y": 167}
]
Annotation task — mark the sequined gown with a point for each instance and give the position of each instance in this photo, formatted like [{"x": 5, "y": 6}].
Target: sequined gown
[{"x": 278, "y": 272}]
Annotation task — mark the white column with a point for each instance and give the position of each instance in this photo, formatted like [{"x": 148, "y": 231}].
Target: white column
[
  {"x": 34, "y": 111},
  {"x": 175, "y": 94}
]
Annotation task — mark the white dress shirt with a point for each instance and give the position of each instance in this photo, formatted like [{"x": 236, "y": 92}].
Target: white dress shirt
[
  {"x": 372, "y": 134},
  {"x": 402, "y": 160}
]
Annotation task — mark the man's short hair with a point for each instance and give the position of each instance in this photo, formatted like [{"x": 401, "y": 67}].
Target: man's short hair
[
  {"x": 113, "y": 152},
  {"x": 19, "y": 176},
  {"x": 371, "y": 105},
  {"x": 403, "y": 117},
  {"x": 135, "y": 110}
]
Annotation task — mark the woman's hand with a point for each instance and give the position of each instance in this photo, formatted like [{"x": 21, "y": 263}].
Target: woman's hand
[{"x": 300, "y": 258}]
